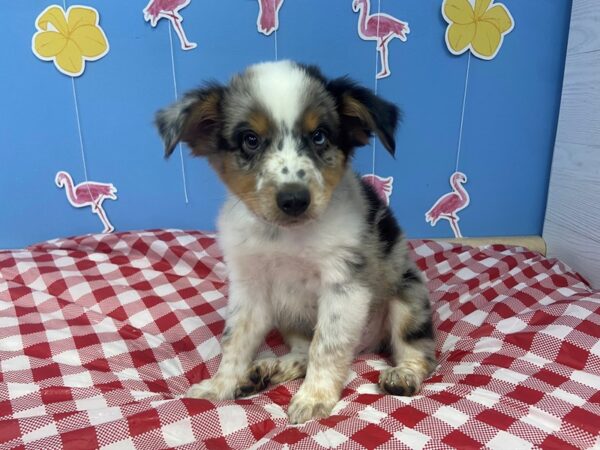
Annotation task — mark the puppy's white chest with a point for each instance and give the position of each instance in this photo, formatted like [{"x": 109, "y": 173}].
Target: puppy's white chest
[{"x": 293, "y": 291}]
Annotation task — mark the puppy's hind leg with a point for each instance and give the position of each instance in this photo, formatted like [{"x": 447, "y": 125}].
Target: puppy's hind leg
[
  {"x": 265, "y": 371},
  {"x": 411, "y": 338}
]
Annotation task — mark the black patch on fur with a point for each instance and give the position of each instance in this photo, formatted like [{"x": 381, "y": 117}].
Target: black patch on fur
[
  {"x": 388, "y": 231},
  {"x": 280, "y": 145},
  {"x": 381, "y": 216},
  {"x": 285, "y": 171},
  {"x": 385, "y": 347},
  {"x": 373, "y": 202},
  {"x": 301, "y": 173},
  {"x": 410, "y": 277},
  {"x": 313, "y": 71},
  {"x": 424, "y": 331},
  {"x": 225, "y": 145}
]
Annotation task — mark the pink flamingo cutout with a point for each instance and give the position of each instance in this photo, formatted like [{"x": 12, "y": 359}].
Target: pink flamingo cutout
[
  {"x": 381, "y": 28},
  {"x": 88, "y": 194},
  {"x": 169, "y": 9},
  {"x": 383, "y": 186},
  {"x": 268, "y": 16},
  {"x": 450, "y": 204}
]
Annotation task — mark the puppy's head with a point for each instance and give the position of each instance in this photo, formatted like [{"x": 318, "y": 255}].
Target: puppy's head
[{"x": 279, "y": 135}]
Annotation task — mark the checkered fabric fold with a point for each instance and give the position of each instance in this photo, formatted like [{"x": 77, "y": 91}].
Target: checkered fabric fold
[{"x": 100, "y": 335}]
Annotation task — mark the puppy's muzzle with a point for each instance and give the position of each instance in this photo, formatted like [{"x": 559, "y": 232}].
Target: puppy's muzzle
[{"x": 293, "y": 199}]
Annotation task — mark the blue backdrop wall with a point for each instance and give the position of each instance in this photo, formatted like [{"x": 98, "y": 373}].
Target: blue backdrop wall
[{"x": 509, "y": 121}]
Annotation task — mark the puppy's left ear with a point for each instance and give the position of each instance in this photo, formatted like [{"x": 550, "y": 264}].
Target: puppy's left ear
[{"x": 363, "y": 113}]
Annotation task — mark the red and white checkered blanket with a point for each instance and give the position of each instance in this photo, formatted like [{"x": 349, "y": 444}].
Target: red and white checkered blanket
[{"x": 100, "y": 336}]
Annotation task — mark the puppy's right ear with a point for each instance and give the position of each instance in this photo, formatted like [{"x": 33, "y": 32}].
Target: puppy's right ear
[{"x": 194, "y": 119}]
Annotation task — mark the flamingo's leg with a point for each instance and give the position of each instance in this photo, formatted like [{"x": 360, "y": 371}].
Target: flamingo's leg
[
  {"x": 179, "y": 30},
  {"x": 108, "y": 228},
  {"x": 384, "y": 42},
  {"x": 455, "y": 227},
  {"x": 97, "y": 204},
  {"x": 383, "y": 53}
]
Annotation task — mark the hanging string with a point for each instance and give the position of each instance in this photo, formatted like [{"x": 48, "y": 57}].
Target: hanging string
[
  {"x": 462, "y": 115},
  {"x": 376, "y": 79},
  {"x": 185, "y": 192},
  {"x": 276, "y": 47},
  {"x": 78, "y": 120}
]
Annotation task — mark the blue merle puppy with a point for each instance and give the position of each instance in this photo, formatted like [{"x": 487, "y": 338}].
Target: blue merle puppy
[{"x": 311, "y": 250}]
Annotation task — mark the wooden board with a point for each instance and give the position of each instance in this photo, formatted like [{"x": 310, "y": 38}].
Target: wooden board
[
  {"x": 574, "y": 194},
  {"x": 572, "y": 223},
  {"x": 584, "y": 35},
  {"x": 580, "y": 104},
  {"x": 534, "y": 243},
  {"x": 582, "y": 254}
]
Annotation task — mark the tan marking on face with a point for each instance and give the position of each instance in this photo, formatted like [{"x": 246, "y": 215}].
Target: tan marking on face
[
  {"x": 261, "y": 197},
  {"x": 260, "y": 123},
  {"x": 243, "y": 183},
  {"x": 332, "y": 173},
  {"x": 310, "y": 121}
]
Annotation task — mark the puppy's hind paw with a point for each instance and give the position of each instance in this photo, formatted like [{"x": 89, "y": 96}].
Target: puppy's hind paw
[
  {"x": 271, "y": 370},
  {"x": 257, "y": 379}
]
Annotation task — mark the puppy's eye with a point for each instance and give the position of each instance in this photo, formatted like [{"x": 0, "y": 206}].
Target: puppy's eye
[
  {"x": 319, "y": 137},
  {"x": 251, "y": 141}
]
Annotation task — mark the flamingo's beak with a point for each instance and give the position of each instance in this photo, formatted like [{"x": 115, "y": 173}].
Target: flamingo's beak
[{"x": 355, "y": 5}]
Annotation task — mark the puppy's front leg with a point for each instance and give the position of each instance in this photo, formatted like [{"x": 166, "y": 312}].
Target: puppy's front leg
[
  {"x": 343, "y": 310},
  {"x": 247, "y": 323}
]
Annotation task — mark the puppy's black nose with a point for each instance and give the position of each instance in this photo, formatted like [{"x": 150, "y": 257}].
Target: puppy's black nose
[{"x": 293, "y": 199}]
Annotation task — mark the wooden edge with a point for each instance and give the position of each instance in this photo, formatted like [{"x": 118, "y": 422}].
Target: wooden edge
[{"x": 533, "y": 243}]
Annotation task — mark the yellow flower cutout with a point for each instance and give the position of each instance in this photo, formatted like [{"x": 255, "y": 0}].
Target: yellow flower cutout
[
  {"x": 480, "y": 29},
  {"x": 69, "y": 39}
]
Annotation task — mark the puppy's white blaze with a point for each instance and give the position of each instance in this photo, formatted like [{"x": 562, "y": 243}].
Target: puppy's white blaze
[
  {"x": 279, "y": 87},
  {"x": 283, "y": 166}
]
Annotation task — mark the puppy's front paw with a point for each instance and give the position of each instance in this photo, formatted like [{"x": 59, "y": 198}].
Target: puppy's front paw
[
  {"x": 400, "y": 381},
  {"x": 305, "y": 407},
  {"x": 214, "y": 389}
]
